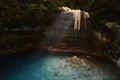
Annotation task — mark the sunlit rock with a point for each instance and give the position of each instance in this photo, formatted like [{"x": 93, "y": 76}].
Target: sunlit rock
[
  {"x": 77, "y": 14},
  {"x": 75, "y": 58},
  {"x": 64, "y": 8},
  {"x": 118, "y": 62},
  {"x": 86, "y": 15}
]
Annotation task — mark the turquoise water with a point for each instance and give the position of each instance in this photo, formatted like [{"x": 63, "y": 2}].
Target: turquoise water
[{"x": 44, "y": 65}]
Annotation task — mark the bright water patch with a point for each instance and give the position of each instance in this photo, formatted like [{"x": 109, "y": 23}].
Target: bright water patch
[{"x": 43, "y": 65}]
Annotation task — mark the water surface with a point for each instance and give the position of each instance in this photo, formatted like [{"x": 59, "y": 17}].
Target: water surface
[{"x": 45, "y": 65}]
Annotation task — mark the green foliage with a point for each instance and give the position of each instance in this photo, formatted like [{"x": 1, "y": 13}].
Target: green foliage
[
  {"x": 27, "y": 11},
  {"x": 15, "y": 13}
]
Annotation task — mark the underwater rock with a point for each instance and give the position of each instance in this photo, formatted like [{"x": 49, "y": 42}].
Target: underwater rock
[{"x": 56, "y": 73}]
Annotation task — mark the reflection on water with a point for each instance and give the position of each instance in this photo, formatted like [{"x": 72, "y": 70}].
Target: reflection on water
[{"x": 43, "y": 65}]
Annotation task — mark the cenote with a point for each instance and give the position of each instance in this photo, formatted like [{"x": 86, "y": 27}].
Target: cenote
[
  {"x": 71, "y": 31},
  {"x": 46, "y": 65}
]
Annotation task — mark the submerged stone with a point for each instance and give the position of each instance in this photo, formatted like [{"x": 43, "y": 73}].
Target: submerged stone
[{"x": 56, "y": 74}]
